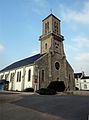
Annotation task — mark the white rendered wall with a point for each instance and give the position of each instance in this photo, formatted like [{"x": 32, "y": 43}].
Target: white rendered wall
[
  {"x": 83, "y": 83},
  {"x": 80, "y": 83},
  {"x": 77, "y": 83},
  {"x": 27, "y": 83},
  {"x": 24, "y": 83}
]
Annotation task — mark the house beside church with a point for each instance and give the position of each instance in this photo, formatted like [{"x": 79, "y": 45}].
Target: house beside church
[
  {"x": 43, "y": 68},
  {"x": 81, "y": 81}
]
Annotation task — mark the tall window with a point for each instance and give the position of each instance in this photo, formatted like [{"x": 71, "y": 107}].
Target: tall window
[
  {"x": 19, "y": 76},
  {"x": 11, "y": 77},
  {"x": 69, "y": 77},
  {"x": 56, "y": 27},
  {"x": 6, "y": 76},
  {"x": 29, "y": 75},
  {"x": 46, "y": 27},
  {"x": 1, "y": 77},
  {"x": 43, "y": 75},
  {"x": 45, "y": 45},
  {"x": 85, "y": 86}
]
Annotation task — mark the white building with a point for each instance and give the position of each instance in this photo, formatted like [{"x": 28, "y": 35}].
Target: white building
[
  {"x": 20, "y": 74},
  {"x": 81, "y": 81}
]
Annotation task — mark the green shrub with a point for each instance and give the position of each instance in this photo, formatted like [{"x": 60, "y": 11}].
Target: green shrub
[
  {"x": 58, "y": 86},
  {"x": 46, "y": 91},
  {"x": 29, "y": 90}
]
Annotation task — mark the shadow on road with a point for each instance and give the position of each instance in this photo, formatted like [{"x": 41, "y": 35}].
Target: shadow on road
[{"x": 67, "y": 107}]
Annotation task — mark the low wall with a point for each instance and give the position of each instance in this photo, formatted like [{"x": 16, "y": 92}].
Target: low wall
[
  {"x": 85, "y": 93},
  {"x": 80, "y": 93}
]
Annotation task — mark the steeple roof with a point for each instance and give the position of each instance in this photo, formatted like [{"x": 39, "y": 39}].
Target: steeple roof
[{"x": 52, "y": 16}]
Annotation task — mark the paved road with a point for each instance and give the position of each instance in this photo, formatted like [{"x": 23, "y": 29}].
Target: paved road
[{"x": 34, "y": 107}]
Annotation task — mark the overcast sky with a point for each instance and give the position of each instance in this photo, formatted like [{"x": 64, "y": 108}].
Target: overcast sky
[{"x": 21, "y": 24}]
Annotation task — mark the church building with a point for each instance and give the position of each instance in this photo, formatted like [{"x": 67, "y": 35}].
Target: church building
[{"x": 43, "y": 68}]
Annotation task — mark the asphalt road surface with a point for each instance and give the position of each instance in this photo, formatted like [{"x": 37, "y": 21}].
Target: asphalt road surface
[{"x": 35, "y": 107}]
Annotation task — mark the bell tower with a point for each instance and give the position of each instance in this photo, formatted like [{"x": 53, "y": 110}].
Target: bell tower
[
  {"x": 51, "y": 37},
  {"x": 51, "y": 24}
]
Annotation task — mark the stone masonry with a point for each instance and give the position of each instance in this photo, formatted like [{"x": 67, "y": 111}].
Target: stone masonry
[{"x": 53, "y": 63}]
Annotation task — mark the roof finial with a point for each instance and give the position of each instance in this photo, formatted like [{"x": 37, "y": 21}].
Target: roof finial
[{"x": 51, "y": 11}]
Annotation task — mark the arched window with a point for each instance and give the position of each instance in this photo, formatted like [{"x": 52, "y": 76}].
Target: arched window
[
  {"x": 46, "y": 27},
  {"x": 6, "y": 76},
  {"x": 29, "y": 75},
  {"x": 19, "y": 76},
  {"x": 69, "y": 77},
  {"x": 56, "y": 27},
  {"x": 43, "y": 75},
  {"x": 45, "y": 45},
  {"x": 11, "y": 77}
]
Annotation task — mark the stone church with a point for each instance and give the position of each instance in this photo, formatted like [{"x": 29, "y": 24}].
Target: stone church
[{"x": 50, "y": 65}]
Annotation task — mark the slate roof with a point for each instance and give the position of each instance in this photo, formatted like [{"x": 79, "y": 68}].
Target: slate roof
[
  {"x": 77, "y": 75},
  {"x": 49, "y": 16},
  {"x": 24, "y": 62}
]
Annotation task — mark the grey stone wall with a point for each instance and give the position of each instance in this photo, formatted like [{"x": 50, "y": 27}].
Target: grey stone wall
[
  {"x": 42, "y": 64},
  {"x": 70, "y": 77},
  {"x": 47, "y": 63}
]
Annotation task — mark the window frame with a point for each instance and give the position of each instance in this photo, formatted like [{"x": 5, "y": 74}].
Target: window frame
[
  {"x": 43, "y": 75},
  {"x": 56, "y": 66},
  {"x": 85, "y": 86},
  {"x": 19, "y": 76},
  {"x": 29, "y": 75},
  {"x": 46, "y": 27},
  {"x": 11, "y": 77}
]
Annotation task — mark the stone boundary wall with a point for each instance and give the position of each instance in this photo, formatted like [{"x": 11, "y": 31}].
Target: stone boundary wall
[
  {"x": 85, "y": 93},
  {"x": 74, "y": 93}
]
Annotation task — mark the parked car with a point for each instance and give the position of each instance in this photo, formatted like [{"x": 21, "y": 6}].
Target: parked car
[{"x": 4, "y": 84}]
